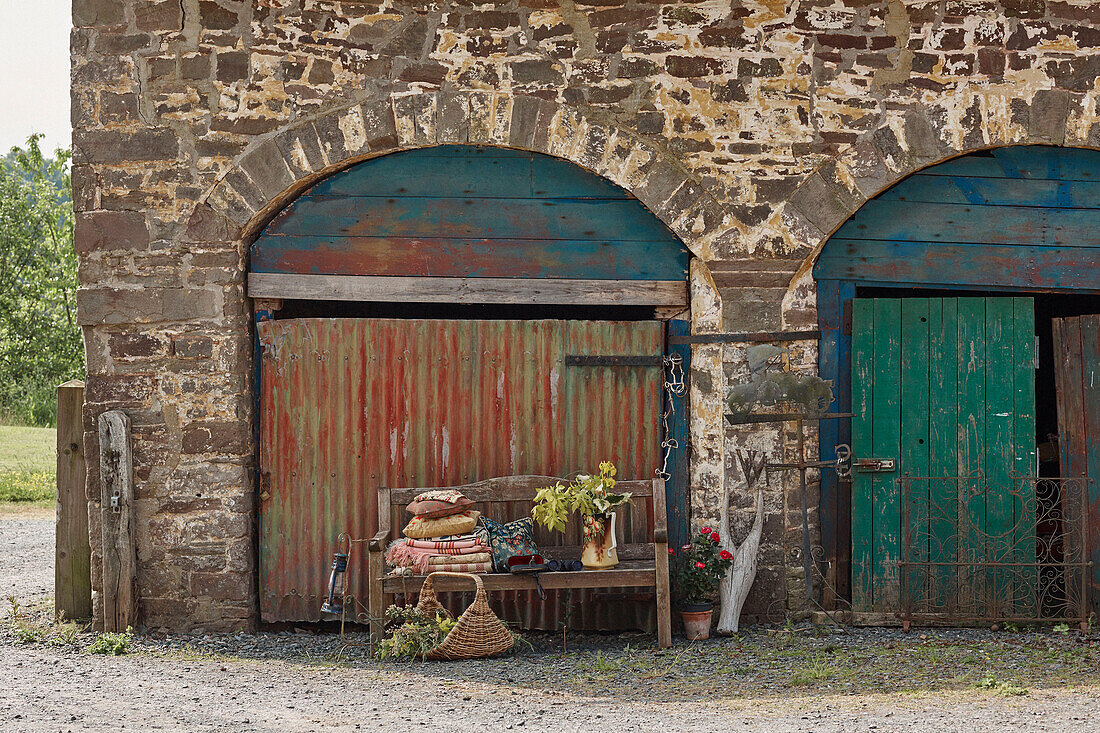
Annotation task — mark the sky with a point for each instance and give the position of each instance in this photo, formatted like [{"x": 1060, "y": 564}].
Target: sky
[{"x": 34, "y": 86}]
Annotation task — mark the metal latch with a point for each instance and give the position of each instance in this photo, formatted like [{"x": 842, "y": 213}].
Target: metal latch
[{"x": 875, "y": 465}]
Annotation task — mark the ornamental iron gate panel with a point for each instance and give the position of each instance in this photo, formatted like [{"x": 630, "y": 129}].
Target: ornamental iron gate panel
[{"x": 955, "y": 566}]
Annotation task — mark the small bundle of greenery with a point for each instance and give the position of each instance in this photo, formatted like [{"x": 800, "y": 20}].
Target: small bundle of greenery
[
  {"x": 588, "y": 494},
  {"x": 699, "y": 567},
  {"x": 413, "y": 633}
]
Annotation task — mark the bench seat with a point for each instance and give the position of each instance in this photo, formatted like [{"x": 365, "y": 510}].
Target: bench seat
[{"x": 642, "y": 550}]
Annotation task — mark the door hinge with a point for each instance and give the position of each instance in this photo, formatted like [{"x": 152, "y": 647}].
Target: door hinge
[
  {"x": 264, "y": 485},
  {"x": 613, "y": 361}
]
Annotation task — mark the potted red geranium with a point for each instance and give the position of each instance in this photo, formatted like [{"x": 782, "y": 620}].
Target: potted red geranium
[{"x": 698, "y": 569}]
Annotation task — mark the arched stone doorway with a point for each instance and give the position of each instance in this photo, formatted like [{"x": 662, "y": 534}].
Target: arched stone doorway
[
  {"x": 950, "y": 279},
  {"x": 416, "y": 314}
]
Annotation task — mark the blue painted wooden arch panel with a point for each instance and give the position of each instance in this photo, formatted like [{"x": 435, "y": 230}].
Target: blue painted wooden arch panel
[
  {"x": 1025, "y": 217},
  {"x": 470, "y": 211}
]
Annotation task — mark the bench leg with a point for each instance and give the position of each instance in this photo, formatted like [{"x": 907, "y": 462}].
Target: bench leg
[
  {"x": 664, "y": 624},
  {"x": 374, "y": 596}
]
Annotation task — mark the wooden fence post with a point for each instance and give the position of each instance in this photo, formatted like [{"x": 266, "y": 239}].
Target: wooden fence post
[
  {"x": 72, "y": 555},
  {"x": 116, "y": 471}
]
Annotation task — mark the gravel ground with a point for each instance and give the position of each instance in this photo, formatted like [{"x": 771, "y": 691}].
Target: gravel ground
[
  {"x": 766, "y": 679},
  {"x": 26, "y": 549},
  {"x": 177, "y": 685}
]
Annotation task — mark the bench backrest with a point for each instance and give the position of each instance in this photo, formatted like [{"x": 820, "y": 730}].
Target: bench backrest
[{"x": 511, "y": 497}]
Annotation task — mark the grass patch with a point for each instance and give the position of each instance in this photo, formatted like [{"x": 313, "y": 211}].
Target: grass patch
[
  {"x": 27, "y": 450},
  {"x": 28, "y": 465}
]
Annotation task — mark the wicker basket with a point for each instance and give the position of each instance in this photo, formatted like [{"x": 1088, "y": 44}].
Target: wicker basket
[{"x": 478, "y": 633}]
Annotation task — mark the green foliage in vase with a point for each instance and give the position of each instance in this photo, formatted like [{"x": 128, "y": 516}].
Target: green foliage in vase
[{"x": 589, "y": 495}]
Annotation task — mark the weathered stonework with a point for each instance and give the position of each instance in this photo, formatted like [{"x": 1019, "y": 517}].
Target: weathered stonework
[{"x": 754, "y": 129}]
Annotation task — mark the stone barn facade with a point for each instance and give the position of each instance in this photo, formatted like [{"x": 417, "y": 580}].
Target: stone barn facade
[{"x": 752, "y": 129}]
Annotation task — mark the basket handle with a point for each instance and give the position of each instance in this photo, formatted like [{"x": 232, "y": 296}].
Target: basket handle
[{"x": 428, "y": 588}]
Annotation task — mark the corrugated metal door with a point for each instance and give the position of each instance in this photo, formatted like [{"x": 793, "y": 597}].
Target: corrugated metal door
[
  {"x": 349, "y": 405},
  {"x": 1077, "y": 375},
  {"x": 945, "y": 387}
]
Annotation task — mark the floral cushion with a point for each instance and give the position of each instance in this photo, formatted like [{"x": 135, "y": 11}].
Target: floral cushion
[
  {"x": 433, "y": 508},
  {"x": 509, "y": 540}
]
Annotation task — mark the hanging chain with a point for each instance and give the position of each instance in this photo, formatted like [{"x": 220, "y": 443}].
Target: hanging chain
[{"x": 674, "y": 387}]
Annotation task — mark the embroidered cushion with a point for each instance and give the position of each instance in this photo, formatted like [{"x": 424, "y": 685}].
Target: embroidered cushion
[
  {"x": 428, "y": 527},
  {"x": 439, "y": 504},
  {"x": 508, "y": 540}
]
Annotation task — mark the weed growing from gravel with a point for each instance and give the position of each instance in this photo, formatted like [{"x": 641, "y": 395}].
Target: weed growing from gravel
[
  {"x": 1001, "y": 687},
  {"x": 32, "y": 628},
  {"x": 604, "y": 663},
  {"x": 817, "y": 671},
  {"x": 112, "y": 643}
]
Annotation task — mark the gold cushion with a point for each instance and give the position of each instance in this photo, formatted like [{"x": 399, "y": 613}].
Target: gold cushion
[{"x": 426, "y": 528}]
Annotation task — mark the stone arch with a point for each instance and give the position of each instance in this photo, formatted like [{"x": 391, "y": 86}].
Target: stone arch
[
  {"x": 918, "y": 139},
  {"x": 275, "y": 169}
]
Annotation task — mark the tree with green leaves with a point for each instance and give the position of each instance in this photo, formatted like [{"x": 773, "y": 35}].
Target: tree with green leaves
[{"x": 40, "y": 343}]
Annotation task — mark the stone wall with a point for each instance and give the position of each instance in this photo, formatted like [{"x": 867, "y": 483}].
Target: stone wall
[{"x": 753, "y": 128}]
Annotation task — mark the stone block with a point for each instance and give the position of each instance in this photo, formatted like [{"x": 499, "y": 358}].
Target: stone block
[
  {"x": 379, "y": 126},
  {"x": 85, "y": 187},
  {"x": 1049, "y": 112},
  {"x": 98, "y": 12},
  {"x": 120, "y": 146},
  {"x": 820, "y": 204},
  {"x": 414, "y": 119},
  {"x": 160, "y": 16},
  {"x": 266, "y": 167},
  {"x": 215, "y": 437},
  {"x": 214, "y": 17},
  {"x": 97, "y": 231},
  {"x": 452, "y": 118},
  {"x": 221, "y": 586},
  {"x": 207, "y": 225},
  {"x": 125, "y": 389},
  {"x": 104, "y": 305},
  {"x": 301, "y": 150},
  {"x": 193, "y": 347},
  {"x": 136, "y": 346}
]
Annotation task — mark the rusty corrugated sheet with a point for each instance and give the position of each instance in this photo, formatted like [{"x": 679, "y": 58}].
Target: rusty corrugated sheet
[{"x": 349, "y": 405}]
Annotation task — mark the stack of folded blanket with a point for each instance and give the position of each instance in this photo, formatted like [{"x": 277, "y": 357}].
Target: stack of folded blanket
[{"x": 441, "y": 536}]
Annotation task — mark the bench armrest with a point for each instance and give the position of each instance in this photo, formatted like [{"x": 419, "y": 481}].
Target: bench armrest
[
  {"x": 660, "y": 536},
  {"x": 379, "y": 541}
]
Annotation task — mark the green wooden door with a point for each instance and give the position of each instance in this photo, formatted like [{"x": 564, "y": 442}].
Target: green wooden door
[{"x": 946, "y": 387}]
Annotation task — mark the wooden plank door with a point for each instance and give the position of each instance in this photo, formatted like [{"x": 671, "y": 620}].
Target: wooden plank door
[
  {"x": 945, "y": 387},
  {"x": 1077, "y": 380},
  {"x": 349, "y": 405}
]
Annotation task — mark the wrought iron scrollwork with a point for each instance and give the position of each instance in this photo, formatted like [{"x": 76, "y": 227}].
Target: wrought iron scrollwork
[{"x": 972, "y": 550}]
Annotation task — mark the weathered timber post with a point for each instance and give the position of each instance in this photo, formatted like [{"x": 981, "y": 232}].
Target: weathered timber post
[
  {"x": 116, "y": 471},
  {"x": 72, "y": 555}
]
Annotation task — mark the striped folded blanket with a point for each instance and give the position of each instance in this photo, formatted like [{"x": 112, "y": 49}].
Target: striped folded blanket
[
  {"x": 444, "y": 547},
  {"x": 449, "y": 560},
  {"x": 464, "y": 567},
  {"x": 404, "y": 553}
]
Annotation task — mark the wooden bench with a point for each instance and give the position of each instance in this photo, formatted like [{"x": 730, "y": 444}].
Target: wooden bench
[{"x": 642, "y": 534}]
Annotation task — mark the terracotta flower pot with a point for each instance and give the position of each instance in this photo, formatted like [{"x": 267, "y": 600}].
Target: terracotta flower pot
[{"x": 696, "y": 617}]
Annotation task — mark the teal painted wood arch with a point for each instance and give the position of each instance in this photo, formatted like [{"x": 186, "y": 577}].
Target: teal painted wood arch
[
  {"x": 1015, "y": 218},
  {"x": 470, "y": 211}
]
